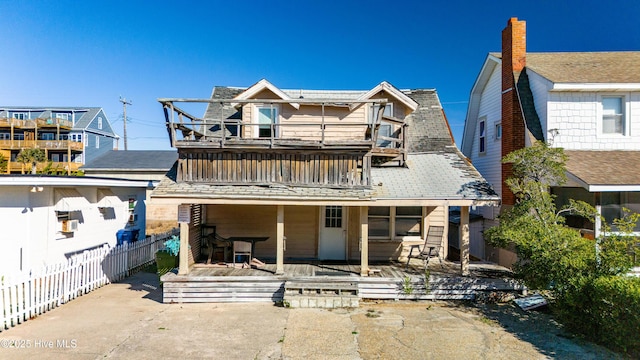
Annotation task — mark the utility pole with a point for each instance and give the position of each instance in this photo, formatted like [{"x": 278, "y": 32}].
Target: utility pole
[{"x": 124, "y": 107}]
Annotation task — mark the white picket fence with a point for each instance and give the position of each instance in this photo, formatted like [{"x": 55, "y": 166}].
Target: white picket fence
[{"x": 24, "y": 297}]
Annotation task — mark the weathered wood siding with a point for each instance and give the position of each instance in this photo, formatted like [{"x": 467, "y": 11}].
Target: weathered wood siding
[
  {"x": 340, "y": 123},
  {"x": 299, "y": 168}
]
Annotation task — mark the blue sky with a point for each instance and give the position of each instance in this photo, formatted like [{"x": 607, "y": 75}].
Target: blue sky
[{"x": 89, "y": 53}]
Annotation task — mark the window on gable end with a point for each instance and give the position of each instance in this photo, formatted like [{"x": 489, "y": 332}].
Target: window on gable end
[
  {"x": 613, "y": 121},
  {"x": 498, "y": 131},
  {"x": 482, "y": 137},
  {"x": 100, "y": 122}
]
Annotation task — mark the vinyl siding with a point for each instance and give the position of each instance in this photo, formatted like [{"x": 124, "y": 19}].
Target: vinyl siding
[{"x": 488, "y": 164}]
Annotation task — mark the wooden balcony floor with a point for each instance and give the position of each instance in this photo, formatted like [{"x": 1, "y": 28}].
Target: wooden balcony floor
[{"x": 379, "y": 270}]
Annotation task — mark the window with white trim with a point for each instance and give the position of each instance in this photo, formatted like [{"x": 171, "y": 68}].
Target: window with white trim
[
  {"x": 266, "y": 118},
  {"x": 482, "y": 136},
  {"x": 100, "y": 122},
  {"x": 97, "y": 142},
  {"x": 613, "y": 119},
  {"x": 20, "y": 116},
  {"x": 613, "y": 203},
  {"x": 62, "y": 116}
]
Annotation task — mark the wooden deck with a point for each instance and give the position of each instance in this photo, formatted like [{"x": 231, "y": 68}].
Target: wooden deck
[{"x": 386, "y": 281}]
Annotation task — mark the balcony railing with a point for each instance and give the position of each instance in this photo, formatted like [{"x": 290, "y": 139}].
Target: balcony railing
[
  {"x": 54, "y": 167},
  {"x": 42, "y": 144},
  {"x": 33, "y": 123},
  {"x": 319, "y": 131}
]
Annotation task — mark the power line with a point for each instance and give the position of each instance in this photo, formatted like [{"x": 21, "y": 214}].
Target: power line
[{"x": 124, "y": 107}]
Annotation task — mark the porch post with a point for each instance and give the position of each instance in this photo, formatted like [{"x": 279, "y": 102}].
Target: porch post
[
  {"x": 280, "y": 241},
  {"x": 464, "y": 240},
  {"x": 183, "y": 269},
  {"x": 364, "y": 241}
]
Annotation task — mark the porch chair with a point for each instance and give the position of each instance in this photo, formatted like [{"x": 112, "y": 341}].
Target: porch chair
[
  {"x": 215, "y": 241},
  {"x": 431, "y": 247},
  {"x": 242, "y": 248}
]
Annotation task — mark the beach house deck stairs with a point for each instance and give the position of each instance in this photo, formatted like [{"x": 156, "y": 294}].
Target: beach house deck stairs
[{"x": 321, "y": 292}]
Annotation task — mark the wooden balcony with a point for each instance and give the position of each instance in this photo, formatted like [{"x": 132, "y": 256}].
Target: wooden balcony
[
  {"x": 36, "y": 123},
  {"x": 300, "y": 168},
  {"x": 42, "y": 144},
  {"x": 312, "y": 150},
  {"x": 189, "y": 131}
]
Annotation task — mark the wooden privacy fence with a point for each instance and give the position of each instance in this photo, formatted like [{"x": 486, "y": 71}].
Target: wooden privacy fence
[{"x": 25, "y": 296}]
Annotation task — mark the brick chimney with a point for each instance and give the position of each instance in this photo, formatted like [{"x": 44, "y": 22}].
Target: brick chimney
[{"x": 513, "y": 125}]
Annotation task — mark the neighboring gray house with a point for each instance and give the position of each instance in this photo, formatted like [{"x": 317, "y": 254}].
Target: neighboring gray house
[
  {"x": 70, "y": 136},
  {"x": 149, "y": 165}
]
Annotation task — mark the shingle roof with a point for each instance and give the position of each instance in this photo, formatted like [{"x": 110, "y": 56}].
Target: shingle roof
[
  {"x": 441, "y": 175},
  {"x": 613, "y": 167},
  {"x": 134, "y": 160},
  {"x": 428, "y": 128},
  {"x": 433, "y": 175},
  {"x": 586, "y": 67}
]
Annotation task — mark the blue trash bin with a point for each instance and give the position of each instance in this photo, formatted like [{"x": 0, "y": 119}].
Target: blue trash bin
[{"x": 127, "y": 235}]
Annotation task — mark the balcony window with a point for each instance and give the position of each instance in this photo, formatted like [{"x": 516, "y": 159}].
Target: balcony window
[
  {"x": 47, "y": 136},
  {"x": 20, "y": 116},
  {"x": 266, "y": 117},
  {"x": 385, "y": 129},
  {"x": 62, "y": 116},
  {"x": 613, "y": 115}
]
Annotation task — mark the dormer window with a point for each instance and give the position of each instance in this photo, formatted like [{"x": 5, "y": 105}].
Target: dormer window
[
  {"x": 613, "y": 121},
  {"x": 266, "y": 118},
  {"x": 20, "y": 116}
]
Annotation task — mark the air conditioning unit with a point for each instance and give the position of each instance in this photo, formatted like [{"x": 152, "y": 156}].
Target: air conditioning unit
[{"x": 69, "y": 225}]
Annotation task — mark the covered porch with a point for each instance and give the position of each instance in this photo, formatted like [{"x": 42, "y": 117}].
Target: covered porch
[{"x": 314, "y": 232}]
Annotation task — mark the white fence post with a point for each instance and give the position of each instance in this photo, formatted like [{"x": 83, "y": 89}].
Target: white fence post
[{"x": 23, "y": 296}]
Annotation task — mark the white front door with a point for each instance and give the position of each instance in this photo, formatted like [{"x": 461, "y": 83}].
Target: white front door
[{"x": 333, "y": 237}]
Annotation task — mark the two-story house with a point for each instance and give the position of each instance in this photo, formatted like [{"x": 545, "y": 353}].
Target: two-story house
[
  {"x": 347, "y": 176},
  {"x": 585, "y": 102},
  {"x": 69, "y": 136}
]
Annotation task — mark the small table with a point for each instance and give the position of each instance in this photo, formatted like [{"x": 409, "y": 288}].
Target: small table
[{"x": 252, "y": 239}]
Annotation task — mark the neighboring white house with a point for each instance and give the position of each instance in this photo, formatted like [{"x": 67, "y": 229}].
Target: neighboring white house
[
  {"x": 585, "y": 102},
  {"x": 46, "y": 219}
]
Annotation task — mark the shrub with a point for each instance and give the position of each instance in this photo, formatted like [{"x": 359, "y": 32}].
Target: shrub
[{"x": 606, "y": 310}]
